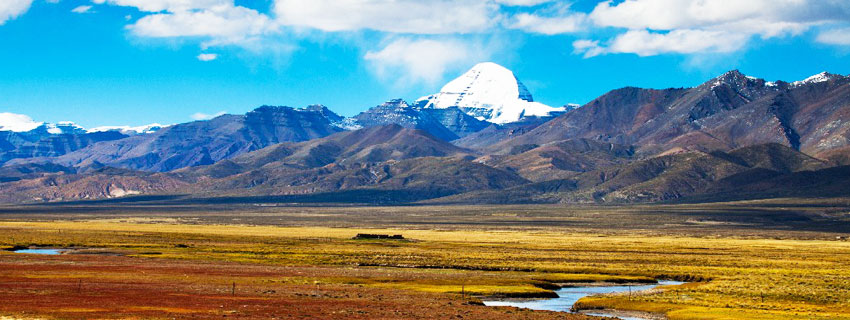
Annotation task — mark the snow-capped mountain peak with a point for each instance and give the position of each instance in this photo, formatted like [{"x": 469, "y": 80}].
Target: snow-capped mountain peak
[
  {"x": 820, "y": 77},
  {"x": 489, "y": 92}
]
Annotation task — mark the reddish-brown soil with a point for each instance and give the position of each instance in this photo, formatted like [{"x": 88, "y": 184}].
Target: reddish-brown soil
[{"x": 109, "y": 287}]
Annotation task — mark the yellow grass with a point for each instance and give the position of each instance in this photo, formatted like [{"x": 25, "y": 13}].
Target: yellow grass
[{"x": 735, "y": 278}]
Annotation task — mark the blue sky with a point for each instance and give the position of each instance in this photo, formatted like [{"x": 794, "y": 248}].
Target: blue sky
[{"x": 133, "y": 62}]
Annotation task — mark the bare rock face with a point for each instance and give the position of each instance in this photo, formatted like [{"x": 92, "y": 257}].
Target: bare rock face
[
  {"x": 41, "y": 142},
  {"x": 383, "y": 158},
  {"x": 205, "y": 142},
  {"x": 727, "y": 112},
  {"x": 732, "y": 137},
  {"x": 447, "y": 124}
]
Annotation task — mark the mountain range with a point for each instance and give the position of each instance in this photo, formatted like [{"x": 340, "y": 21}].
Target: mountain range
[{"x": 481, "y": 139}]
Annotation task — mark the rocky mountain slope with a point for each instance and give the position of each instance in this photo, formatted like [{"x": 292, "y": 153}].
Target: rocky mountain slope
[
  {"x": 733, "y": 137},
  {"x": 727, "y": 112},
  {"x": 387, "y": 160},
  {"x": 165, "y": 148},
  {"x": 447, "y": 124},
  {"x": 21, "y": 137},
  {"x": 737, "y": 174},
  {"x": 204, "y": 142},
  {"x": 387, "y": 157},
  {"x": 40, "y": 142}
]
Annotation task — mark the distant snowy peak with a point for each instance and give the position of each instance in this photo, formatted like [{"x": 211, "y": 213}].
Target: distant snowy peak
[
  {"x": 23, "y": 123},
  {"x": 489, "y": 92},
  {"x": 736, "y": 79},
  {"x": 818, "y": 78},
  {"x": 150, "y": 128},
  {"x": 64, "y": 127}
]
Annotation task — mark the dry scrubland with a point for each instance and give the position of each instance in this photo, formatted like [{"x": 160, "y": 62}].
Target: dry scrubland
[{"x": 754, "y": 260}]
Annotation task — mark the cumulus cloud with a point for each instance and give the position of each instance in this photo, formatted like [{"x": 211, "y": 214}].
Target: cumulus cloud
[
  {"x": 640, "y": 27},
  {"x": 839, "y": 37},
  {"x": 10, "y": 9},
  {"x": 395, "y": 16},
  {"x": 166, "y": 5},
  {"x": 218, "y": 22},
  {"x": 778, "y": 15},
  {"x": 17, "y": 122},
  {"x": 424, "y": 60},
  {"x": 551, "y": 19},
  {"x": 203, "y": 116},
  {"x": 691, "y": 26},
  {"x": 222, "y": 24},
  {"x": 207, "y": 56},
  {"x": 645, "y": 43},
  {"x": 590, "y": 48}
]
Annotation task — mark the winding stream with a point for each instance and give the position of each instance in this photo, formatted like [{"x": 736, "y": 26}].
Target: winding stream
[
  {"x": 570, "y": 295},
  {"x": 40, "y": 251}
]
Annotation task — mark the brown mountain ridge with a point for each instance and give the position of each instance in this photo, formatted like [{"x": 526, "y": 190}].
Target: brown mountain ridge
[{"x": 732, "y": 137}]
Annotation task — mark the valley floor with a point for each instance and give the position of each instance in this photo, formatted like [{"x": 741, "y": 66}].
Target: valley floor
[{"x": 777, "y": 259}]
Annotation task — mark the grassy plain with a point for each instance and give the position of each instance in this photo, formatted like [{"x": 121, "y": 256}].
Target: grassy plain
[{"x": 775, "y": 259}]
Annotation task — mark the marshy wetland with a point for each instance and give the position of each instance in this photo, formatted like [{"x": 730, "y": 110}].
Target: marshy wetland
[{"x": 779, "y": 259}]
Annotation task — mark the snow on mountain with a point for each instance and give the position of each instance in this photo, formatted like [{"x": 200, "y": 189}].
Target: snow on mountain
[
  {"x": 571, "y": 106},
  {"x": 820, "y": 77},
  {"x": 17, "y": 122},
  {"x": 153, "y": 127},
  {"x": 64, "y": 127},
  {"x": 23, "y": 123},
  {"x": 491, "y": 93}
]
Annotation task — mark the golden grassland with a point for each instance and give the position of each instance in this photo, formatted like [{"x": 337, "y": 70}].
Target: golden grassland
[{"x": 730, "y": 278}]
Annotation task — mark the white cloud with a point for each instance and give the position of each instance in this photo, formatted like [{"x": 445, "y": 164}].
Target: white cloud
[
  {"x": 395, "y": 16},
  {"x": 166, "y": 5},
  {"x": 17, "y": 122},
  {"x": 695, "y": 26},
  {"x": 222, "y": 24},
  {"x": 204, "y": 116},
  {"x": 10, "y": 9},
  {"x": 207, "y": 56},
  {"x": 839, "y": 37},
  {"x": 645, "y": 43},
  {"x": 642, "y": 27},
  {"x": 217, "y": 22},
  {"x": 590, "y": 48},
  {"x": 718, "y": 14},
  {"x": 424, "y": 60},
  {"x": 81, "y": 9}
]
